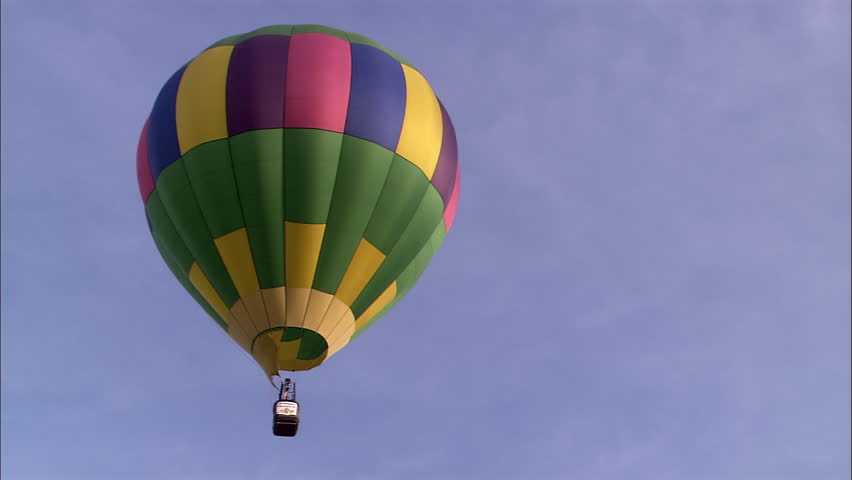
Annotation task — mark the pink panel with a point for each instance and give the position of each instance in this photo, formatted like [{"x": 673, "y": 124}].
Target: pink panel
[
  {"x": 450, "y": 211},
  {"x": 319, "y": 72},
  {"x": 143, "y": 169}
]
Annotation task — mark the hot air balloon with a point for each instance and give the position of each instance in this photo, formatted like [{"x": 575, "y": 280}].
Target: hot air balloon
[{"x": 297, "y": 180}]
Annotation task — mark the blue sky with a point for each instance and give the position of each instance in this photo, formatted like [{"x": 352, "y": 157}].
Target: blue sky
[{"x": 648, "y": 276}]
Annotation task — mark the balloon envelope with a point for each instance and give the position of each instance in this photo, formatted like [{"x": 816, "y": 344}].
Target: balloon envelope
[{"x": 297, "y": 180}]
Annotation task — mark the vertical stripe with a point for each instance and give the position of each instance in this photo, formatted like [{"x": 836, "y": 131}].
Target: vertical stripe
[
  {"x": 256, "y": 79},
  {"x": 341, "y": 334},
  {"x": 445, "y": 172},
  {"x": 377, "y": 97},
  {"x": 240, "y": 316},
  {"x": 181, "y": 272},
  {"x": 405, "y": 249},
  {"x": 164, "y": 230},
  {"x": 265, "y": 352},
  {"x": 402, "y": 193},
  {"x": 297, "y": 305},
  {"x": 318, "y": 304},
  {"x": 200, "y": 110},
  {"x": 236, "y": 254},
  {"x": 310, "y": 169},
  {"x": 361, "y": 174},
  {"x": 205, "y": 288},
  {"x": 406, "y": 280},
  {"x": 336, "y": 317},
  {"x": 302, "y": 243},
  {"x": 275, "y": 300},
  {"x": 163, "y": 148},
  {"x": 364, "y": 264},
  {"x": 317, "y": 86},
  {"x": 180, "y": 202},
  {"x": 257, "y": 309},
  {"x": 450, "y": 210},
  {"x": 259, "y": 172},
  {"x": 420, "y": 140},
  {"x": 209, "y": 169},
  {"x": 143, "y": 169}
]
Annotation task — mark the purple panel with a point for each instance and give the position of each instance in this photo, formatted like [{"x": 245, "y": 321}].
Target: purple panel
[
  {"x": 445, "y": 172},
  {"x": 256, "y": 80}
]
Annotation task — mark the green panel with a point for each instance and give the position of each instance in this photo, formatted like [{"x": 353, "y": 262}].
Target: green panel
[
  {"x": 165, "y": 234},
  {"x": 182, "y": 207},
  {"x": 269, "y": 30},
  {"x": 183, "y": 278},
  {"x": 320, "y": 29},
  {"x": 379, "y": 315},
  {"x": 212, "y": 177},
  {"x": 429, "y": 214},
  {"x": 400, "y": 197},
  {"x": 310, "y": 167},
  {"x": 259, "y": 169},
  {"x": 232, "y": 40},
  {"x": 313, "y": 345},
  {"x": 291, "y": 333},
  {"x": 412, "y": 272},
  {"x": 355, "y": 38},
  {"x": 360, "y": 176}
]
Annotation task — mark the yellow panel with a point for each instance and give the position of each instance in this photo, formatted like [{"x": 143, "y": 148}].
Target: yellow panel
[
  {"x": 364, "y": 264},
  {"x": 302, "y": 247},
  {"x": 318, "y": 303},
  {"x": 297, "y": 304},
  {"x": 333, "y": 322},
  {"x": 342, "y": 333},
  {"x": 296, "y": 365},
  {"x": 384, "y": 299},
  {"x": 276, "y": 306},
  {"x": 205, "y": 288},
  {"x": 286, "y": 350},
  {"x": 422, "y": 126},
  {"x": 236, "y": 254},
  {"x": 240, "y": 316},
  {"x": 334, "y": 318},
  {"x": 200, "y": 107},
  {"x": 257, "y": 310},
  {"x": 335, "y": 312},
  {"x": 265, "y": 353},
  {"x": 239, "y": 336}
]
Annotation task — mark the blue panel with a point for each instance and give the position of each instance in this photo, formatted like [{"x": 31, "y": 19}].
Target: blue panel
[
  {"x": 376, "y": 98},
  {"x": 163, "y": 148}
]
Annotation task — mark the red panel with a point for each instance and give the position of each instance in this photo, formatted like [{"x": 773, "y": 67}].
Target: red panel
[
  {"x": 319, "y": 71},
  {"x": 143, "y": 169},
  {"x": 450, "y": 211}
]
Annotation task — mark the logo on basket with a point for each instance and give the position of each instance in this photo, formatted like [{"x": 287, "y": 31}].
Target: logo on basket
[{"x": 286, "y": 408}]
